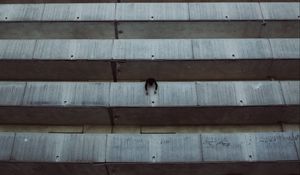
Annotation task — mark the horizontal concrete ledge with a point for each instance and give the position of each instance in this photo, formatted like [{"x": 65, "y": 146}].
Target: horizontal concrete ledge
[
  {"x": 176, "y": 103},
  {"x": 108, "y": 60},
  {"x": 149, "y": 11},
  {"x": 149, "y": 20},
  {"x": 149, "y": 148},
  {"x": 247, "y": 168},
  {"x": 115, "y": 1}
]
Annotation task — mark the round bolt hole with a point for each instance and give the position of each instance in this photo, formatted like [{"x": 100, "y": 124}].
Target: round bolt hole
[
  {"x": 120, "y": 31},
  {"x": 233, "y": 55},
  {"x": 65, "y": 101},
  {"x": 77, "y": 17},
  {"x": 57, "y": 156},
  {"x": 5, "y": 17},
  {"x": 152, "y": 102},
  {"x": 241, "y": 101},
  {"x": 152, "y": 17},
  {"x": 226, "y": 17},
  {"x": 298, "y": 16},
  {"x": 72, "y": 56},
  {"x": 153, "y": 157},
  {"x": 152, "y": 56},
  {"x": 250, "y": 156}
]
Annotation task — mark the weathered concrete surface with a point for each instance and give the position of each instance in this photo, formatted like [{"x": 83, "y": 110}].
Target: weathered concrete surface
[
  {"x": 150, "y": 148},
  {"x": 36, "y": 153},
  {"x": 6, "y": 145},
  {"x": 154, "y": 21},
  {"x": 196, "y": 59},
  {"x": 36, "y": 147},
  {"x": 101, "y": 1},
  {"x": 183, "y": 103}
]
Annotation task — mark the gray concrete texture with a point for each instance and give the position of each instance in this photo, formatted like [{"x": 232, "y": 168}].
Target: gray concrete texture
[
  {"x": 139, "y": 59},
  {"x": 126, "y": 103}
]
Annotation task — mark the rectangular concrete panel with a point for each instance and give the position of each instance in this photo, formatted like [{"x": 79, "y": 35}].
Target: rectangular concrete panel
[
  {"x": 12, "y": 93},
  {"x": 129, "y": 94},
  {"x": 280, "y": 11},
  {"x": 21, "y": 12},
  {"x": 285, "y": 48},
  {"x": 225, "y": 147},
  {"x": 152, "y": 11},
  {"x": 78, "y": 12},
  {"x": 275, "y": 146},
  {"x": 291, "y": 92},
  {"x": 154, "y": 148},
  {"x": 73, "y": 49},
  {"x": 216, "y": 94},
  {"x": 177, "y": 148},
  {"x": 6, "y": 145},
  {"x": 231, "y": 49},
  {"x": 225, "y": 11},
  {"x": 17, "y": 49},
  {"x": 168, "y": 94},
  {"x": 296, "y": 136},
  {"x": 59, "y": 147},
  {"x": 152, "y": 49},
  {"x": 174, "y": 94},
  {"x": 128, "y": 148},
  {"x": 259, "y": 93},
  {"x": 66, "y": 94}
]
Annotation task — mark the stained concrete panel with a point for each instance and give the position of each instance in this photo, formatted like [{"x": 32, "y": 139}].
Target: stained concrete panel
[
  {"x": 59, "y": 147},
  {"x": 153, "y": 148},
  {"x": 259, "y": 93},
  {"x": 66, "y": 94},
  {"x": 275, "y": 146},
  {"x": 153, "y": 49},
  {"x": 152, "y": 11},
  {"x": 11, "y": 93},
  {"x": 129, "y": 94},
  {"x": 291, "y": 92},
  {"x": 225, "y": 11},
  {"x": 78, "y": 12},
  {"x": 216, "y": 94},
  {"x": 285, "y": 48},
  {"x": 225, "y": 147},
  {"x": 231, "y": 49},
  {"x": 6, "y": 145},
  {"x": 16, "y": 49},
  {"x": 21, "y": 12},
  {"x": 73, "y": 49},
  {"x": 280, "y": 11}
]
